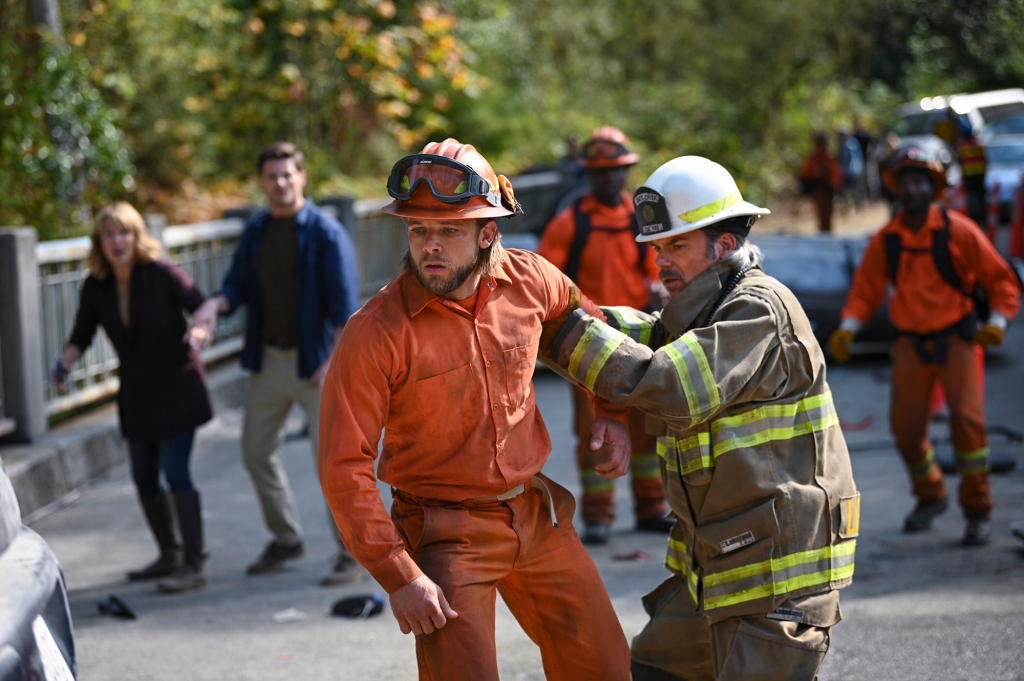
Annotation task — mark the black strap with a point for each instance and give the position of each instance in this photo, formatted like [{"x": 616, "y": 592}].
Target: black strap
[
  {"x": 940, "y": 254},
  {"x": 734, "y": 279},
  {"x": 943, "y": 258},
  {"x": 582, "y": 234}
]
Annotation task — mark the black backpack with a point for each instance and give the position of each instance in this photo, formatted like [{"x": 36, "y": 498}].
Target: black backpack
[
  {"x": 943, "y": 263},
  {"x": 579, "y": 240}
]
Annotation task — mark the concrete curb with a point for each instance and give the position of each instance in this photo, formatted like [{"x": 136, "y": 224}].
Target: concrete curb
[{"x": 90, "y": 448}]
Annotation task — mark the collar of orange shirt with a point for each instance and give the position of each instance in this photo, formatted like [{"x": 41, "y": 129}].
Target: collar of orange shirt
[{"x": 416, "y": 297}]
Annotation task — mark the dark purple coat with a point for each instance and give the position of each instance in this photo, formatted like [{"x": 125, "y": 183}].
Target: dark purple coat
[{"x": 163, "y": 387}]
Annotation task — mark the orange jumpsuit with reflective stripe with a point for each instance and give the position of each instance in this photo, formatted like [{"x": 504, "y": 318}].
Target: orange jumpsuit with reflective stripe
[
  {"x": 925, "y": 304},
  {"x": 451, "y": 386},
  {"x": 610, "y": 274}
]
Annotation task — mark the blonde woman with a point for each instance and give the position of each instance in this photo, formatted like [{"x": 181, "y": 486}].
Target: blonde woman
[{"x": 139, "y": 301}]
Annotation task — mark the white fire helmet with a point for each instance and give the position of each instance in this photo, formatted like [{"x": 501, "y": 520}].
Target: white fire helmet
[{"x": 685, "y": 194}]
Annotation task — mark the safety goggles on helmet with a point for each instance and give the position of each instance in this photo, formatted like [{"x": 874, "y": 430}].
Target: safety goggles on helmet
[
  {"x": 449, "y": 180},
  {"x": 598, "y": 148}
]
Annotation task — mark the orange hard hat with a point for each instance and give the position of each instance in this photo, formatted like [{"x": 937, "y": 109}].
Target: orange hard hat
[
  {"x": 449, "y": 181},
  {"x": 914, "y": 157},
  {"x": 608, "y": 147}
]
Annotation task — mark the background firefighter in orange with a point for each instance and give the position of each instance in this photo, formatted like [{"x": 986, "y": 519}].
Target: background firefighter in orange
[
  {"x": 821, "y": 177},
  {"x": 443, "y": 357},
  {"x": 593, "y": 243},
  {"x": 934, "y": 259},
  {"x": 956, "y": 131}
]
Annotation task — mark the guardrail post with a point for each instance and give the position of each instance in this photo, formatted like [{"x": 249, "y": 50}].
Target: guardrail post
[
  {"x": 155, "y": 224},
  {"x": 20, "y": 335},
  {"x": 344, "y": 206}
]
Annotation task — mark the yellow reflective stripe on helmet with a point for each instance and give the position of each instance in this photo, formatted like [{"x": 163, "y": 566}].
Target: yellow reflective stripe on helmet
[
  {"x": 779, "y": 576},
  {"x": 592, "y": 352},
  {"x": 688, "y": 357},
  {"x": 710, "y": 209},
  {"x": 771, "y": 423}
]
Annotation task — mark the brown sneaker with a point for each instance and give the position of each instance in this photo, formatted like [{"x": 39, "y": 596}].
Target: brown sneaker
[{"x": 274, "y": 557}]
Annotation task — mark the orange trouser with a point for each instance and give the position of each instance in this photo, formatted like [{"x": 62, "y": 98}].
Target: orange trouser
[
  {"x": 598, "y": 493},
  {"x": 824, "y": 197},
  {"x": 543, "y": 574},
  {"x": 912, "y": 383}
]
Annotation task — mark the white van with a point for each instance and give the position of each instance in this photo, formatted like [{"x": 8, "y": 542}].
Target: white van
[{"x": 918, "y": 119}]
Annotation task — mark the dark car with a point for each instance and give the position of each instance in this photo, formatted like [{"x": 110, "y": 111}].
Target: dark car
[
  {"x": 819, "y": 271},
  {"x": 36, "y": 638}
]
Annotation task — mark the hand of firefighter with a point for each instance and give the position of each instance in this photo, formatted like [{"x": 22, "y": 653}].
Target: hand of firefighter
[
  {"x": 616, "y": 435},
  {"x": 839, "y": 344},
  {"x": 420, "y": 607},
  {"x": 989, "y": 335}
]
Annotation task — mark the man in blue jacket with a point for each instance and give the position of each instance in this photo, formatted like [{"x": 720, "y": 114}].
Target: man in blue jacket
[{"x": 295, "y": 269}]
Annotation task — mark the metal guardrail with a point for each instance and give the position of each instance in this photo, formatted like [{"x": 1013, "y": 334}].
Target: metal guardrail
[{"x": 205, "y": 250}]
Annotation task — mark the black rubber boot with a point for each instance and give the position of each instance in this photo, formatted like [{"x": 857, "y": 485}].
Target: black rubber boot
[
  {"x": 157, "y": 510},
  {"x": 191, "y": 575}
]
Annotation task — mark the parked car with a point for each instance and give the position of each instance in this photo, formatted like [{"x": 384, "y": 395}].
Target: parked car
[
  {"x": 36, "y": 637},
  {"x": 918, "y": 119},
  {"x": 985, "y": 112},
  {"x": 1005, "y": 155}
]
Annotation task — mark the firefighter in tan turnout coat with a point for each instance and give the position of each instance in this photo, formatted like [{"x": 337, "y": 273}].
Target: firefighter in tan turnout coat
[{"x": 755, "y": 466}]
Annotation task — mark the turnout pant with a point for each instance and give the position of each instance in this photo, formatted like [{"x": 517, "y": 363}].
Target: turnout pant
[
  {"x": 912, "y": 384},
  {"x": 681, "y": 643},
  {"x": 269, "y": 397},
  {"x": 645, "y": 471},
  {"x": 475, "y": 549}
]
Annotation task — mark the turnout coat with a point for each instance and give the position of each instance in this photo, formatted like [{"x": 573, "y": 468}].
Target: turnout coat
[{"x": 755, "y": 466}]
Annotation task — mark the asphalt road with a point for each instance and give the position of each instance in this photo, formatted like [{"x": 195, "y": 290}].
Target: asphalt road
[{"x": 921, "y": 607}]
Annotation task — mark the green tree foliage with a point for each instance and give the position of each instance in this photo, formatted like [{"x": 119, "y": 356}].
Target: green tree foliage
[
  {"x": 61, "y": 150},
  {"x": 206, "y": 83},
  {"x": 198, "y": 86}
]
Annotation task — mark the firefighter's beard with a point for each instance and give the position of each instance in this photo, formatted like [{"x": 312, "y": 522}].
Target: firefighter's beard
[
  {"x": 674, "y": 280},
  {"x": 452, "y": 278}
]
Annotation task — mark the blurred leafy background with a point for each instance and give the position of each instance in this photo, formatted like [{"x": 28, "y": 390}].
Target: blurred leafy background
[{"x": 167, "y": 103}]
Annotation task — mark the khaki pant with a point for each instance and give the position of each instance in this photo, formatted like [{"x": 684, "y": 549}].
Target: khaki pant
[
  {"x": 681, "y": 643},
  {"x": 912, "y": 384},
  {"x": 269, "y": 397},
  {"x": 543, "y": 573},
  {"x": 598, "y": 501}
]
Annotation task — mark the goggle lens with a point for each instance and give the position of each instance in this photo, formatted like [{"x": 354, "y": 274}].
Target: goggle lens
[{"x": 445, "y": 179}]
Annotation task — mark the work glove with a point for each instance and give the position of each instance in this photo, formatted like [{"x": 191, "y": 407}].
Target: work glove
[
  {"x": 839, "y": 345},
  {"x": 989, "y": 335}
]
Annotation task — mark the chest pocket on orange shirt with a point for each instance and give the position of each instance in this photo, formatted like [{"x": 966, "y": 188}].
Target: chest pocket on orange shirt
[{"x": 518, "y": 374}]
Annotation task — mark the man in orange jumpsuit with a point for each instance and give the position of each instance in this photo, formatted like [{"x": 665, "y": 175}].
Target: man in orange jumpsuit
[
  {"x": 594, "y": 243},
  {"x": 934, "y": 259},
  {"x": 822, "y": 178},
  {"x": 956, "y": 131},
  {"x": 443, "y": 358}
]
